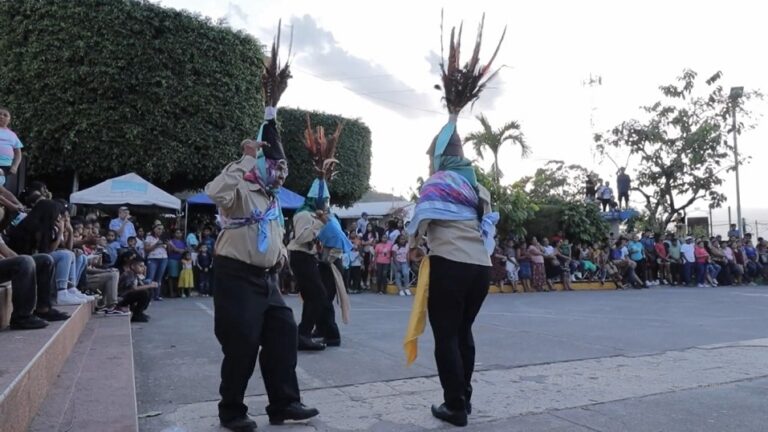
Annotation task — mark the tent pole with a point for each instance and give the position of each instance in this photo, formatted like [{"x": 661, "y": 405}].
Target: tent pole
[{"x": 186, "y": 219}]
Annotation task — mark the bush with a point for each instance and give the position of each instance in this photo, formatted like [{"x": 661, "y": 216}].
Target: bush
[
  {"x": 353, "y": 153},
  {"x": 105, "y": 87}
]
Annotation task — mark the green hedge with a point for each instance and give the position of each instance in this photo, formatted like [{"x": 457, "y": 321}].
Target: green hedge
[
  {"x": 104, "y": 87},
  {"x": 353, "y": 153}
]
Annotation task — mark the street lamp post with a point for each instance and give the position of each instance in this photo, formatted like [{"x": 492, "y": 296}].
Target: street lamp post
[{"x": 736, "y": 93}]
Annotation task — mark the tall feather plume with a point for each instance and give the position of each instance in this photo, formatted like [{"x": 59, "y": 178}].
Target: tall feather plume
[
  {"x": 322, "y": 149},
  {"x": 462, "y": 85},
  {"x": 275, "y": 77}
]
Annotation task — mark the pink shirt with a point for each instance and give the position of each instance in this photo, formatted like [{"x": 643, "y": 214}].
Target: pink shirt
[
  {"x": 701, "y": 254},
  {"x": 383, "y": 253},
  {"x": 401, "y": 253},
  {"x": 536, "y": 255}
]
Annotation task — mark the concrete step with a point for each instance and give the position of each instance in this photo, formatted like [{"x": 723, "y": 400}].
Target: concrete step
[
  {"x": 5, "y": 305},
  {"x": 95, "y": 389},
  {"x": 29, "y": 363}
]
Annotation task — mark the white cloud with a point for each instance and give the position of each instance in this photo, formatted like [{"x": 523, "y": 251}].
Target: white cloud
[{"x": 551, "y": 48}]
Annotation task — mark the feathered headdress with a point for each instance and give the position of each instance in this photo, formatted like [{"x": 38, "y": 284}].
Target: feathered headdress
[
  {"x": 274, "y": 82},
  {"x": 322, "y": 151},
  {"x": 462, "y": 85},
  {"x": 274, "y": 79}
]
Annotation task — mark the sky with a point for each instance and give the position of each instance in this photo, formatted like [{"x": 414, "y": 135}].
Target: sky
[{"x": 377, "y": 61}]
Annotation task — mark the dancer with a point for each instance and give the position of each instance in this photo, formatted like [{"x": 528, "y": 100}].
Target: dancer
[
  {"x": 315, "y": 230},
  {"x": 454, "y": 212},
  {"x": 250, "y": 313}
]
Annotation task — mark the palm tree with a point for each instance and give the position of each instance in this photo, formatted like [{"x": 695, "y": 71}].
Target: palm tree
[{"x": 494, "y": 139}]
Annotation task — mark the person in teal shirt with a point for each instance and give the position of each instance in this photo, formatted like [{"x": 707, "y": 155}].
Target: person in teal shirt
[{"x": 637, "y": 254}]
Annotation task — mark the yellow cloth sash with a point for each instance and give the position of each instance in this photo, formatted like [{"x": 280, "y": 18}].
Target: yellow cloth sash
[
  {"x": 341, "y": 294},
  {"x": 418, "y": 319}
]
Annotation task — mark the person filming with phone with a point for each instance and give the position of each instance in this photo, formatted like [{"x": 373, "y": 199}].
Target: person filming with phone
[{"x": 123, "y": 226}]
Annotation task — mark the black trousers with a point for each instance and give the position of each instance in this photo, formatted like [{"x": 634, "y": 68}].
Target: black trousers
[
  {"x": 20, "y": 271},
  {"x": 327, "y": 326},
  {"x": 250, "y": 313},
  {"x": 355, "y": 276},
  {"x": 136, "y": 300},
  {"x": 456, "y": 293},
  {"x": 309, "y": 283}
]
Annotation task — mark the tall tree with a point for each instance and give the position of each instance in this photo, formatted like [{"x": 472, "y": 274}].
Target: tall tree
[
  {"x": 683, "y": 144},
  {"x": 556, "y": 182},
  {"x": 493, "y": 139}
]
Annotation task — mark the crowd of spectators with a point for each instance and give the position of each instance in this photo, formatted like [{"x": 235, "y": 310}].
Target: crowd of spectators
[
  {"x": 53, "y": 259},
  {"x": 632, "y": 260}
]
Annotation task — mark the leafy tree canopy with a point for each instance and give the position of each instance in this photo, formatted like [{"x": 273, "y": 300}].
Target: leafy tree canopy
[
  {"x": 556, "y": 182},
  {"x": 683, "y": 144},
  {"x": 104, "y": 87},
  {"x": 512, "y": 203}
]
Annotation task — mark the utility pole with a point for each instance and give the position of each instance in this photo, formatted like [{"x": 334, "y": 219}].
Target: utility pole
[{"x": 736, "y": 93}]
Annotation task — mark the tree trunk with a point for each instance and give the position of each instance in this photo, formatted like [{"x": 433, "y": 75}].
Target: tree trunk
[{"x": 496, "y": 175}]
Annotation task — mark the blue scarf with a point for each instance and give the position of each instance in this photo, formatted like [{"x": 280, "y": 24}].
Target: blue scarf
[{"x": 256, "y": 217}]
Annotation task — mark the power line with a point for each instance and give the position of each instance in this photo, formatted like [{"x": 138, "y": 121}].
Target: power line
[{"x": 372, "y": 96}]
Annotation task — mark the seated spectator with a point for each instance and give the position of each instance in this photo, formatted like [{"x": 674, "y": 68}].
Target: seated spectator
[
  {"x": 105, "y": 281},
  {"x": 32, "y": 289},
  {"x": 134, "y": 290},
  {"x": 113, "y": 246},
  {"x": 10, "y": 207},
  {"x": 625, "y": 267},
  {"x": 43, "y": 231},
  {"x": 133, "y": 246}
]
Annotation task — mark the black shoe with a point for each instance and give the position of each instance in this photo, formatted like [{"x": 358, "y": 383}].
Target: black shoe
[
  {"x": 242, "y": 424},
  {"x": 332, "y": 342},
  {"x": 307, "y": 344},
  {"x": 52, "y": 315},
  {"x": 140, "y": 317},
  {"x": 294, "y": 411},
  {"x": 28, "y": 323},
  {"x": 456, "y": 418}
]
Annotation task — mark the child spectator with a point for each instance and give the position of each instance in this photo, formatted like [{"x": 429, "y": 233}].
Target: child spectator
[
  {"x": 10, "y": 150},
  {"x": 402, "y": 269},
  {"x": 134, "y": 290},
  {"x": 512, "y": 267},
  {"x": 186, "y": 276},
  {"x": 133, "y": 246},
  {"x": 383, "y": 252},
  {"x": 204, "y": 263},
  {"x": 113, "y": 246},
  {"x": 355, "y": 268}
]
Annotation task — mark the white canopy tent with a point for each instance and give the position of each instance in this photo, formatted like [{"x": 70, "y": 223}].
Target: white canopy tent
[{"x": 129, "y": 189}]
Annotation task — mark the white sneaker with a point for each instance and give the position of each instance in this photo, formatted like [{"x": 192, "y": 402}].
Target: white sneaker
[
  {"x": 701, "y": 285},
  {"x": 65, "y": 298},
  {"x": 402, "y": 293},
  {"x": 77, "y": 293},
  {"x": 408, "y": 292}
]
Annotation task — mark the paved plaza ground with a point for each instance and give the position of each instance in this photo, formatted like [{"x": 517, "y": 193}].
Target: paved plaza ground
[{"x": 664, "y": 359}]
